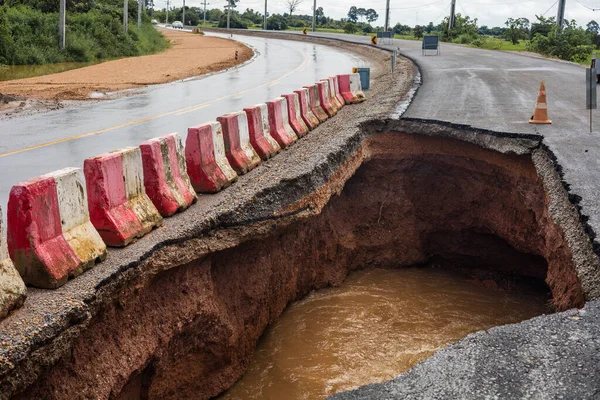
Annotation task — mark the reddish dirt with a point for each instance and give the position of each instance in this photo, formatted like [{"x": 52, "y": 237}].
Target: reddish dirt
[
  {"x": 189, "y": 55},
  {"x": 191, "y": 331}
]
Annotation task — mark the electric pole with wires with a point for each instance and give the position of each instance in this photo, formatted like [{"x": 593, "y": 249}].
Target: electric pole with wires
[
  {"x": 560, "y": 17},
  {"x": 265, "y": 17},
  {"x": 314, "y": 27},
  {"x": 205, "y": 3},
  {"x": 228, "y": 12},
  {"x": 387, "y": 16},
  {"x": 452, "y": 19}
]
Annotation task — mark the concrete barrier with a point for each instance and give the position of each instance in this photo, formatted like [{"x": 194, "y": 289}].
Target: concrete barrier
[
  {"x": 50, "y": 237},
  {"x": 324, "y": 99},
  {"x": 309, "y": 118},
  {"x": 12, "y": 288},
  {"x": 119, "y": 206},
  {"x": 207, "y": 165},
  {"x": 260, "y": 133},
  {"x": 315, "y": 103},
  {"x": 296, "y": 121},
  {"x": 165, "y": 174},
  {"x": 239, "y": 151},
  {"x": 332, "y": 95},
  {"x": 338, "y": 94},
  {"x": 351, "y": 89},
  {"x": 279, "y": 123}
]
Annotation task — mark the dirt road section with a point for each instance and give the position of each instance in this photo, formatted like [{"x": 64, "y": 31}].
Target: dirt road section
[{"x": 190, "y": 55}]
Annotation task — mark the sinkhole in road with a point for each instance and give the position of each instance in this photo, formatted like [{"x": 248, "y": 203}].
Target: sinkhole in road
[{"x": 441, "y": 237}]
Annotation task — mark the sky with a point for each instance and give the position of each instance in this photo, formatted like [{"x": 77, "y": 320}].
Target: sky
[{"x": 415, "y": 12}]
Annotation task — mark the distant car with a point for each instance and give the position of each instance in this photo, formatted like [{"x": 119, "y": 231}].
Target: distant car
[
  {"x": 177, "y": 25},
  {"x": 154, "y": 22}
]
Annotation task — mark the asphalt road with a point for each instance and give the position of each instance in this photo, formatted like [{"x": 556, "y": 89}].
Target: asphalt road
[
  {"x": 35, "y": 145},
  {"x": 497, "y": 91}
]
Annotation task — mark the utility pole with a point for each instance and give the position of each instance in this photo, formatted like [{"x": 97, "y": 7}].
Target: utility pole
[
  {"x": 452, "y": 10},
  {"x": 561, "y": 13},
  {"x": 61, "y": 24},
  {"x": 265, "y": 17},
  {"x": 204, "y": 13},
  {"x": 314, "y": 28},
  {"x": 140, "y": 14},
  {"x": 167, "y": 18},
  {"x": 125, "y": 11},
  {"x": 387, "y": 16},
  {"x": 183, "y": 14},
  {"x": 228, "y": 12}
]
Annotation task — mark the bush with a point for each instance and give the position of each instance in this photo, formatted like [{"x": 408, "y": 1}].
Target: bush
[
  {"x": 277, "y": 23},
  {"x": 465, "y": 38},
  {"x": 571, "y": 43},
  {"x": 368, "y": 29},
  {"x": 235, "y": 22},
  {"x": 350, "y": 28}
]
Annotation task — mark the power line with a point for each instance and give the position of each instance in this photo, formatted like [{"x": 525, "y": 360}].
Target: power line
[
  {"x": 421, "y": 6},
  {"x": 589, "y": 8},
  {"x": 551, "y": 7}
]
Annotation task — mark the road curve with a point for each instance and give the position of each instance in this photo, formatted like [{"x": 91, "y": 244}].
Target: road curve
[{"x": 35, "y": 145}]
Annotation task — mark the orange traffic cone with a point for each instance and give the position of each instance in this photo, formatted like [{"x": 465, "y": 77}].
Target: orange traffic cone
[{"x": 540, "y": 116}]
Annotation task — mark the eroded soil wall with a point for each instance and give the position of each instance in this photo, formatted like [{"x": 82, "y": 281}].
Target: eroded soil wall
[{"x": 190, "y": 332}]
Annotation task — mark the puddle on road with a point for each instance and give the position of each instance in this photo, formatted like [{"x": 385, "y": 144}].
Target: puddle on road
[{"x": 377, "y": 325}]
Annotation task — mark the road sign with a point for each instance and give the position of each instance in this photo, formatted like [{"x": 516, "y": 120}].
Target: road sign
[
  {"x": 305, "y": 31},
  {"x": 374, "y": 39}
]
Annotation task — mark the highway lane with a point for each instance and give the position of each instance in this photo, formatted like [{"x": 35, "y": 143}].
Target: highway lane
[{"x": 35, "y": 145}]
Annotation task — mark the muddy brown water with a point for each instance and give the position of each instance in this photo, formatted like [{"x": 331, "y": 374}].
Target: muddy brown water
[{"x": 378, "y": 324}]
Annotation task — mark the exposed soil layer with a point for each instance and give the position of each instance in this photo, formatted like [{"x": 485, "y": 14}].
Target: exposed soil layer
[{"x": 190, "y": 331}]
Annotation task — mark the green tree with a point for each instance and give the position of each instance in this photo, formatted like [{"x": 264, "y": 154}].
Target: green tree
[
  {"x": 400, "y": 29},
  {"x": 371, "y": 15},
  {"x": 353, "y": 14},
  {"x": 463, "y": 26},
  {"x": 429, "y": 28},
  {"x": 361, "y": 12},
  {"x": 516, "y": 29},
  {"x": 543, "y": 26},
  {"x": 418, "y": 32},
  {"x": 277, "y": 22},
  {"x": 254, "y": 16}
]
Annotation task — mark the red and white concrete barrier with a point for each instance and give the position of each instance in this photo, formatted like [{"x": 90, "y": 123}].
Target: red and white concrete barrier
[
  {"x": 12, "y": 288},
  {"x": 260, "y": 133},
  {"x": 207, "y": 165},
  {"x": 50, "y": 237},
  {"x": 338, "y": 94},
  {"x": 165, "y": 174},
  {"x": 351, "y": 88},
  {"x": 279, "y": 123},
  {"x": 324, "y": 98},
  {"x": 332, "y": 95},
  {"x": 309, "y": 118},
  {"x": 119, "y": 206},
  {"x": 293, "y": 107},
  {"x": 315, "y": 103},
  {"x": 239, "y": 151}
]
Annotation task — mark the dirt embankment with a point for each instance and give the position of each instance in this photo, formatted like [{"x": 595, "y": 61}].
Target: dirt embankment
[
  {"x": 189, "y": 55},
  {"x": 404, "y": 199}
]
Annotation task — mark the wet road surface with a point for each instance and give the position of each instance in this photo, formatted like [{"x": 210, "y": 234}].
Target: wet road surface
[{"x": 35, "y": 145}]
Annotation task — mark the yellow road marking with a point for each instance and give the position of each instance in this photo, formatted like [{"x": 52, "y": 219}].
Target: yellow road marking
[{"x": 181, "y": 111}]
